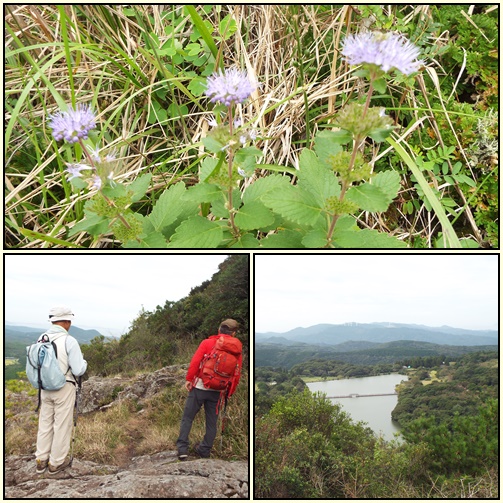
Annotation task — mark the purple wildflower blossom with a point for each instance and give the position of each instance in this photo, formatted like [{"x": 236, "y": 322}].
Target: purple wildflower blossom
[
  {"x": 387, "y": 51},
  {"x": 231, "y": 86},
  {"x": 96, "y": 182},
  {"x": 73, "y": 124},
  {"x": 74, "y": 170}
]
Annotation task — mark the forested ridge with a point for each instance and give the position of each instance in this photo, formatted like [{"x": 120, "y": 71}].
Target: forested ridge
[{"x": 308, "y": 447}]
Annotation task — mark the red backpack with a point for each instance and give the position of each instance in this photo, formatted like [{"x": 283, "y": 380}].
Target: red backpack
[{"x": 221, "y": 364}]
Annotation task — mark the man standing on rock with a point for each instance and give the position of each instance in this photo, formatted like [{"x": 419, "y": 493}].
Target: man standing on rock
[
  {"x": 56, "y": 411},
  {"x": 205, "y": 391}
]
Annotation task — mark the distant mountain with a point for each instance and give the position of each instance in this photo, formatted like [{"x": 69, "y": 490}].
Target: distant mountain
[
  {"x": 27, "y": 335},
  {"x": 332, "y": 335}
]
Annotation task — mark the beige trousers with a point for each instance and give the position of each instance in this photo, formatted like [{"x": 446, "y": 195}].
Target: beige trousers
[{"x": 55, "y": 424}]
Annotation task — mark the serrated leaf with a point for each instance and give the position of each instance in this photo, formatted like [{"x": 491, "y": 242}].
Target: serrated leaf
[
  {"x": 368, "y": 197},
  {"x": 380, "y": 85},
  {"x": 253, "y": 215},
  {"x": 167, "y": 207},
  {"x": 388, "y": 182},
  {"x": 316, "y": 238},
  {"x": 197, "y": 232},
  {"x": 152, "y": 240},
  {"x": 203, "y": 193},
  {"x": 263, "y": 186},
  {"x": 283, "y": 239},
  {"x": 92, "y": 224},
  {"x": 316, "y": 178},
  {"x": 139, "y": 187},
  {"x": 380, "y": 134},
  {"x": 246, "y": 241},
  {"x": 366, "y": 238},
  {"x": 328, "y": 143},
  {"x": 294, "y": 204}
]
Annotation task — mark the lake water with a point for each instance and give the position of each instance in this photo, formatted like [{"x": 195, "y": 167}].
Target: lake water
[{"x": 373, "y": 410}]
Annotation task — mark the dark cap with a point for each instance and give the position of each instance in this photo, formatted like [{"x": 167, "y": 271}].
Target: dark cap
[{"x": 232, "y": 325}]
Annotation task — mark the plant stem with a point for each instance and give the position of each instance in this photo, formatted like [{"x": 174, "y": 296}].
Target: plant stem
[{"x": 231, "y": 159}]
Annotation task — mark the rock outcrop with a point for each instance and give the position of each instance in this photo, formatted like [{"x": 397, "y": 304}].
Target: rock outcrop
[
  {"x": 160, "y": 475},
  {"x": 100, "y": 392}
]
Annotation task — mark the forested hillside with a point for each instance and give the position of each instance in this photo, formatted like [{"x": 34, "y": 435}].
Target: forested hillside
[{"x": 308, "y": 447}]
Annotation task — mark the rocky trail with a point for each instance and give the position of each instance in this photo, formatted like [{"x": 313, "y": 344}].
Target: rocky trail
[
  {"x": 147, "y": 477},
  {"x": 159, "y": 475}
]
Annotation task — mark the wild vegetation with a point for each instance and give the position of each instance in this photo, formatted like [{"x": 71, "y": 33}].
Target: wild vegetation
[
  {"x": 144, "y": 69},
  {"x": 307, "y": 447},
  {"x": 167, "y": 336}
]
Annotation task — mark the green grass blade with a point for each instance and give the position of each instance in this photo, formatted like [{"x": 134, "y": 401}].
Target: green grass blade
[
  {"x": 449, "y": 232},
  {"x": 199, "y": 24}
]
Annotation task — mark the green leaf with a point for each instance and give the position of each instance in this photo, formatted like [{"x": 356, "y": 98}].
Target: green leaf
[
  {"x": 316, "y": 238},
  {"x": 139, "y": 187},
  {"x": 380, "y": 85},
  {"x": 294, "y": 204},
  {"x": 368, "y": 197},
  {"x": 92, "y": 224},
  {"x": 328, "y": 143},
  {"x": 212, "y": 145},
  {"x": 210, "y": 165},
  {"x": 203, "y": 193},
  {"x": 465, "y": 179},
  {"x": 197, "y": 232},
  {"x": 263, "y": 186},
  {"x": 167, "y": 207},
  {"x": 366, "y": 238},
  {"x": 388, "y": 182},
  {"x": 78, "y": 183},
  {"x": 227, "y": 27},
  {"x": 317, "y": 179},
  {"x": 152, "y": 240},
  {"x": 380, "y": 134},
  {"x": 283, "y": 239},
  {"x": 246, "y": 241},
  {"x": 253, "y": 215}
]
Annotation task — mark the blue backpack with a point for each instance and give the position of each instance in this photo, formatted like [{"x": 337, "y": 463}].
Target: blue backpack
[{"x": 42, "y": 366}]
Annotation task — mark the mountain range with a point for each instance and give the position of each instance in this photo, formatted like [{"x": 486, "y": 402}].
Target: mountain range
[
  {"x": 331, "y": 335},
  {"x": 28, "y": 335}
]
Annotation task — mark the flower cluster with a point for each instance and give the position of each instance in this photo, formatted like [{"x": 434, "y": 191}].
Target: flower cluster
[
  {"x": 386, "y": 51},
  {"x": 101, "y": 170},
  {"x": 72, "y": 125},
  {"x": 230, "y": 87}
]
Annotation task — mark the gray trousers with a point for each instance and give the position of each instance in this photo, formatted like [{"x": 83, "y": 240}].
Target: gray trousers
[{"x": 195, "y": 400}]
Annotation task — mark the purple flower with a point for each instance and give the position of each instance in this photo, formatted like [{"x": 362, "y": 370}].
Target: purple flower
[
  {"x": 231, "y": 86},
  {"x": 73, "y": 124},
  {"x": 387, "y": 51},
  {"x": 96, "y": 182},
  {"x": 74, "y": 170}
]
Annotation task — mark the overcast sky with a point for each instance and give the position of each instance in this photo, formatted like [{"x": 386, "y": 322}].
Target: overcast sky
[
  {"x": 304, "y": 290},
  {"x": 105, "y": 292}
]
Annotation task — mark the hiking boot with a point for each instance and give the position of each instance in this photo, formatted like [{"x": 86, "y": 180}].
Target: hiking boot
[
  {"x": 199, "y": 453},
  {"x": 56, "y": 469},
  {"x": 182, "y": 456},
  {"x": 42, "y": 465}
]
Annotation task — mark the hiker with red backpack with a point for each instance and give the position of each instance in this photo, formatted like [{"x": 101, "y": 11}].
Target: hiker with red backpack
[{"x": 212, "y": 377}]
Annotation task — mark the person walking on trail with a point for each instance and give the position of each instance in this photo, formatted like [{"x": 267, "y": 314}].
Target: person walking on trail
[
  {"x": 56, "y": 411},
  {"x": 203, "y": 395}
]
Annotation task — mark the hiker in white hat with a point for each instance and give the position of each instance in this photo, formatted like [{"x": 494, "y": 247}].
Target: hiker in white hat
[{"x": 56, "y": 411}]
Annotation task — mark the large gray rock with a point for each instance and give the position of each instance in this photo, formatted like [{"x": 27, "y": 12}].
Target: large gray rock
[
  {"x": 101, "y": 392},
  {"x": 147, "y": 477}
]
